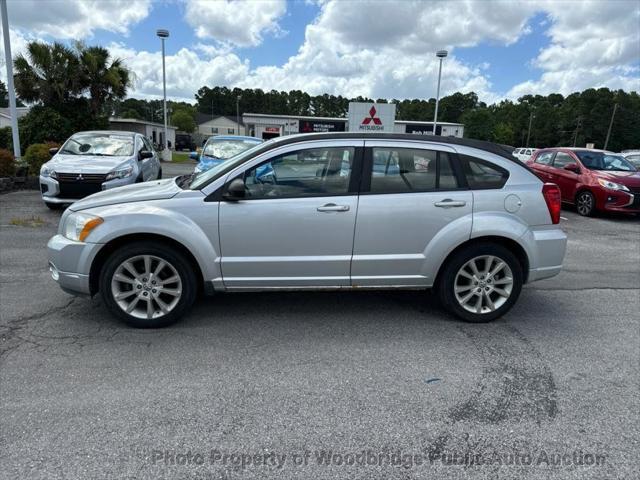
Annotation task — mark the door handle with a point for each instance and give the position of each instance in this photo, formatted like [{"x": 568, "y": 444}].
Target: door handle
[
  {"x": 448, "y": 203},
  {"x": 332, "y": 207}
]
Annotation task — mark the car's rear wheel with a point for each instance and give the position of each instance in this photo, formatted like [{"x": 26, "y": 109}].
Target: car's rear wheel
[
  {"x": 585, "y": 203},
  {"x": 480, "y": 282},
  {"x": 148, "y": 285}
]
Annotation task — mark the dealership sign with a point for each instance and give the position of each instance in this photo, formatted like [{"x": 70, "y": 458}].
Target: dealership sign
[
  {"x": 372, "y": 117},
  {"x": 307, "y": 126}
]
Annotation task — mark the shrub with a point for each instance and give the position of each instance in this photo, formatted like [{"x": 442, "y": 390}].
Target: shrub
[
  {"x": 7, "y": 163},
  {"x": 5, "y": 138},
  {"x": 35, "y": 156},
  {"x": 43, "y": 124}
]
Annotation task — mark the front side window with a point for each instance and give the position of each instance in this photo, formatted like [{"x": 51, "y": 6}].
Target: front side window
[
  {"x": 303, "y": 173},
  {"x": 544, "y": 158},
  {"x": 401, "y": 170},
  {"x": 562, "y": 159},
  {"x": 481, "y": 174},
  {"x": 99, "y": 144}
]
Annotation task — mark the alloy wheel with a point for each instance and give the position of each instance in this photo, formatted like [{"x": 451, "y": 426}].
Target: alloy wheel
[
  {"x": 146, "y": 287},
  {"x": 483, "y": 284},
  {"x": 585, "y": 204}
]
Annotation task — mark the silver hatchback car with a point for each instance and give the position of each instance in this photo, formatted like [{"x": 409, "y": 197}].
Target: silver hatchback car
[
  {"x": 89, "y": 162},
  {"x": 319, "y": 211}
]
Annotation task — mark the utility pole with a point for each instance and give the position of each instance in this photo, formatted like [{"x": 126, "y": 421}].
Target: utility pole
[
  {"x": 238, "y": 113},
  {"x": 606, "y": 142},
  {"x": 441, "y": 54},
  {"x": 529, "y": 131},
  {"x": 10, "y": 89},
  {"x": 575, "y": 134},
  {"x": 166, "y": 153}
]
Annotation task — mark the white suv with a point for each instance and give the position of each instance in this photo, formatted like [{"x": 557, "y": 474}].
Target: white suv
[{"x": 523, "y": 154}]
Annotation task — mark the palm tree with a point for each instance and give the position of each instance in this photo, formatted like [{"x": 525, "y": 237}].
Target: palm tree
[
  {"x": 105, "y": 79},
  {"x": 48, "y": 74}
]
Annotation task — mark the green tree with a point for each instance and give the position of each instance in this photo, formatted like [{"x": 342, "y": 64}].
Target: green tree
[
  {"x": 183, "y": 121},
  {"x": 47, "y": 74},
  {"x": 104, "y": 78}
]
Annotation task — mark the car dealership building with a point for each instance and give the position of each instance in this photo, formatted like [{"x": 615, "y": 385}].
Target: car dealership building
[{"x": 378, "y": 117}]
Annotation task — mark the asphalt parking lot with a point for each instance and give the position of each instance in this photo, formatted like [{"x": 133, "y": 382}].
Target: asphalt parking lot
[{"x": 260, "y": 385}]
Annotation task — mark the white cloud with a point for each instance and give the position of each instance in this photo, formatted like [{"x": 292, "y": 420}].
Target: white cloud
[
  {"x": 186, "y": 71},
  {"x": 238, "y": 22},
  {"x": 593, "y": 44},
  {"x": 75, "y": 19}
]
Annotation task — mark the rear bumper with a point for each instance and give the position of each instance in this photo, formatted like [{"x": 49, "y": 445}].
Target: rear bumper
[{"x": 547, "y": 247}]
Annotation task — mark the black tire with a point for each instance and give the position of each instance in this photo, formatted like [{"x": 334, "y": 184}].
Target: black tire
[
  {"x": 174, "y": 257},
  {"x": 159, "y": 174},
  {"x": 585, "y": 203},
  {"x": 53, "y": 206},
  {"x": 447, "y": 278}
]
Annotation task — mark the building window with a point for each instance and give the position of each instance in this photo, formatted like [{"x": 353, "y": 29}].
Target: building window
[
  {"x": 230, "y": 131},
  {"x": 214, "y": 129}
]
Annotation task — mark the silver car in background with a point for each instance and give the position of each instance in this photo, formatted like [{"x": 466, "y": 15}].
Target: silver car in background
[
  {"x": 89, "y": 162},
  {"x": 319, "y": 211}
]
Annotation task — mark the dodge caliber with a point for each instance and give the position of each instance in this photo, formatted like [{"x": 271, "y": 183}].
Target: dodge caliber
[
  {"x": 89, "y": 162},
  {"x": 319, "y": 211}
]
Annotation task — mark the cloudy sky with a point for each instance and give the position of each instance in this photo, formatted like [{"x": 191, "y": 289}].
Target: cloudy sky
[{"x": 499, "y": 49}]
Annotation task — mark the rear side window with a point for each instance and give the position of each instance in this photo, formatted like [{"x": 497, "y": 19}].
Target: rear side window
[
  {"x": 562, "y": 159},
  {"x": 481, "y": 174},
  {"x": 403, "y": 170},
  {"x": 544, "y": 158}
]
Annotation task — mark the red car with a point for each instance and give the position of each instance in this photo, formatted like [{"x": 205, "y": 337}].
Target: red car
[{"x": 590, "y": 179}]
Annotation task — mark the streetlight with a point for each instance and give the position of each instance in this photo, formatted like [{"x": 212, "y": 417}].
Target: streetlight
[
  {"x": 440, "y": 54},
  {"x": 10, "y": 90},
  {"x": 162, "y": 33},
  {"x": 238, "y": 113}
]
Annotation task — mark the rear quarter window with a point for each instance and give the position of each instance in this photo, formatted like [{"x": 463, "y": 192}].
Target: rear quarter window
[{"x": 481, "y": 174}]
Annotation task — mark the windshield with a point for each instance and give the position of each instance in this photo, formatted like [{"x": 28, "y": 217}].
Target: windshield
[
  {"x": 204, "y": 178},
  {"x": 227, "y": 148},
  {"x": 100, "y": 144},
  {"x": 604, "y": 161}
]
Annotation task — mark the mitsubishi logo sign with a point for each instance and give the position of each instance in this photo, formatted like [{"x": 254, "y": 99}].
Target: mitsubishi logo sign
[
  {"x": 79, "y": 178},
  {"x": 371, "y": 117}
]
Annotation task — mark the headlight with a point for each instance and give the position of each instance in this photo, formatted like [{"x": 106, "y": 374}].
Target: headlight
[
  {"x": 120, "y": 173},
  {"x": 79, "y": 225},
  {"x": 612, "y": 185},
  {"x": 48, "y": 172}
]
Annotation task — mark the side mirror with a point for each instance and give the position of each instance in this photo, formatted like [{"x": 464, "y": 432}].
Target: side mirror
[
  {"x": 235, "y": 190},
  {"x": 145, "y": 154},
  {"x": 572, "y": 167},
  {"x": 194, "y": 156},
  {"x": 53, "y": 151}
]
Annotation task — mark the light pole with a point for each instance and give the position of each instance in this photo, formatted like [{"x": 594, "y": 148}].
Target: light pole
[
  {"x": 441, "y": 54},
  {"x": 10, "y": 90},
  {"x": 529, "y": 130},
  {"x": 162, "y": 33},
  {"x": 238, "y": 113},
  {"x": 606, "y": 142}
]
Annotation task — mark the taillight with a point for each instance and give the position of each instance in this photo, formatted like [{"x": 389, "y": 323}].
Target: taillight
[{"x": 551, "y": 193}]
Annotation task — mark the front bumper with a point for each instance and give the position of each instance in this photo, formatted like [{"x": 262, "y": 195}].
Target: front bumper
[
  {"x": 619, "y": 201},
  {"x": 50, "y": 188},
  {"x": 70, "y": 263}
]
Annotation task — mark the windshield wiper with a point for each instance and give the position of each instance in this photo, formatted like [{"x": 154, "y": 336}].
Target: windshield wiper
[{"x": 69, "y": 152}]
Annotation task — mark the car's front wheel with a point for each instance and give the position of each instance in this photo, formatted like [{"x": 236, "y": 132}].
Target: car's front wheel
[
  {"x": 480, "y": 282},
  {"x": 585, "y": 203},
  {"x": 148, "y": 285}
]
